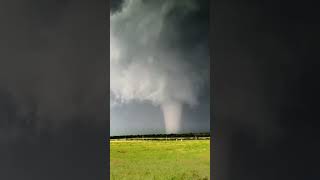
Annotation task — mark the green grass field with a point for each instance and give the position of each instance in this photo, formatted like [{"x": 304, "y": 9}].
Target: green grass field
[{"x": 160, "y": 160}]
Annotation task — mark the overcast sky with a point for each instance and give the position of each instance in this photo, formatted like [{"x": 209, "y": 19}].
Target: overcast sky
[{"x": 158, "y": 56}]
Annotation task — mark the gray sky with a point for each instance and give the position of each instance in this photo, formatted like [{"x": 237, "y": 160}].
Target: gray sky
[
  {"x": 159, "y": 56},
  {"x": 137, "y": 118}
]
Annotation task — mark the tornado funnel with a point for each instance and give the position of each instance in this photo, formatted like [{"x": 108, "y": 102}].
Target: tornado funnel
[{"x": 172, "y": 116}]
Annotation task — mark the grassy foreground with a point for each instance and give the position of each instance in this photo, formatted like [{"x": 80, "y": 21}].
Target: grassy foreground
[{"x": 174, "y": 160}]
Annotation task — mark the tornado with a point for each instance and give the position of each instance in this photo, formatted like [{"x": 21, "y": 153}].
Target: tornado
[
  {"x": 148, "y": 65},
  {"x": 172, "y": 116}
]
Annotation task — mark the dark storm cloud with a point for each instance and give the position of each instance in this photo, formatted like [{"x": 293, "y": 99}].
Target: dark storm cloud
[
  {"x": 53, "y": 81},
  {"x": 159, "y": 54},
  {"x": 115, "y": 5},
  {"x": 265, "y": 90}
]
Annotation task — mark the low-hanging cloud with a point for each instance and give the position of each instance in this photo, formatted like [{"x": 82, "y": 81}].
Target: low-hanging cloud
[{"x": 150, "y": 60}]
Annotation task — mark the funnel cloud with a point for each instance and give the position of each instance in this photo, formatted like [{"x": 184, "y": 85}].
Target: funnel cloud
[{"x": 172, "y": 115}]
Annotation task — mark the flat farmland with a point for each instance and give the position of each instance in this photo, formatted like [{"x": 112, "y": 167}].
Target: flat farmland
[{"x": 160, "y": 160}]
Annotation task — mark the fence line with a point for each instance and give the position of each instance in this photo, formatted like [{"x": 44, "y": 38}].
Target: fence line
[{"x": 161, "y": 139}]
